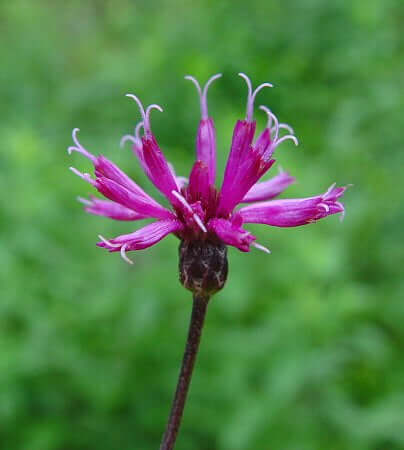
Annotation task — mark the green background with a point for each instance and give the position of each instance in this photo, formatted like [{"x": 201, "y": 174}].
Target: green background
[{"x": 303, "y": 349}]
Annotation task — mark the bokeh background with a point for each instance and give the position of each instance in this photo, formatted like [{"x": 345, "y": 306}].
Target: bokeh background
[{"x": 303, "y": 349}]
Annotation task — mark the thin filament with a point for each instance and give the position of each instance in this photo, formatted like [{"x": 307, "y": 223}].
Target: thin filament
[
  {"x": 285, "y": 138},
  {"x": 109, "y": 243},
  {"x": 271, "y": 116},
  {"x": 261, "y": 247},
  {"x": 146, "y": 124},
  {"x": 195, "y": 216},
  {"x": 123, "y": 254},
  {"x": 204, "y": 99}
]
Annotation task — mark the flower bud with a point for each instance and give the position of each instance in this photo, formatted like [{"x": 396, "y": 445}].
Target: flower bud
[{"x": 203, "y": 266}]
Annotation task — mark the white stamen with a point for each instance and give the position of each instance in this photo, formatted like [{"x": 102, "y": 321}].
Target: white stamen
[
  {"x": 199, "y": 223},
  {"x": 252, "y": 95},
  {"x": 287, "y": 137},
  {"x": 261, "y": 247},
  {"x": 196, "y": 83},
  {"x": 259, "y": 88},
  {"x": 204, "y": 99},
  {"x": 85, "y": 201},
  {"x": 123, "y": 254},
  {"x": 183, "y": 201},
  {"x": 209, "y": 82},
  {"x": 84, "y": 176},
  {"x": 107, "y": 242},
  {"x": 324, "y": 206},
  {"x": 203, "y": 93},
  {"x": 74, "y": 136},
  {"x": 195, "y": 216},
  {"x": 126, "y": 138},
  {"x": 137, "y": 130},
  {"x": 287, "y": 127},
  {"x": 146, "y": 124},
  {"x": 139, "y": 103},
  {"x": 77, "y": 172},
  {"x": 135, "y": 138},
  {"x": 79, "y": 148},
  {"x": 271, "y": 116},
  {"x": 248, "y": 81}
]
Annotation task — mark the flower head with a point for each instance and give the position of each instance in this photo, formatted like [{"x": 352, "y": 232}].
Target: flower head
[{"x": 199, "y": 212}]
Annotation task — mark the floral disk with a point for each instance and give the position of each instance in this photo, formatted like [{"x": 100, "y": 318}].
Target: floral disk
[{"x": 199, "y": 211}]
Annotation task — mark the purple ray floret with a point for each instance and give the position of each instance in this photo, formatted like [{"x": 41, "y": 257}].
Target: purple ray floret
[{"x": 198, "y": 210}]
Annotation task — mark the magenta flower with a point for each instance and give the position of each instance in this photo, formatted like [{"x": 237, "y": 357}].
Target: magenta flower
[
  {"x": 204, "y": 218},
  {"x": 198, "y": 210}
]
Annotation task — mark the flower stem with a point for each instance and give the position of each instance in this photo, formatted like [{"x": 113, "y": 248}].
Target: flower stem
[{"x": 191, "y": 350}]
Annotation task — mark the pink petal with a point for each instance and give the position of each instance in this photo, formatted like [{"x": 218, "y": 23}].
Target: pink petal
[
  {"x": 294, "y": 212},
  {"x": 269, "y": 189},
  {"x": 199, "y": 187},
  {"x": 142, "y": 205},
  {"x": 249, "y": 173},
  {"x": 110, "y": 209},
  {"x": 206, "y": 146},
  {"x": 106, "y": 168},
  {"x": 158, "y": 169},
  {"x": 231, "y": 234},
  {"x": 243, "y": 135},
  {"x": 143, "y": 238}
]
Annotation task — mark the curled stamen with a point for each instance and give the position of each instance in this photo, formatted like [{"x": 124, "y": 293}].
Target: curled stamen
[
  {"x": 248, "y": 81},
  {"x": 139, "y": 103},
  {"x": 135, "y": 138},
  {"x": 196, "y": 83},
  {"x": 146, "y": 124},
  {"x": 252, "y": 95},
  {"x": 259, "y": 88},
  {"x": 126, "y": 138},
  {"x": 109, "y": 243},
  {"x": 271, "y": 116},
  {"x": 74, "y": 136},
  {"x": 285, "y": 138},
  {"x": 285, "y": 126},
  {"x": 123, "y": 254},
  {"x": 195, "y": 216},
  {"x": 137, "y": 130},
  {"x": 84, "y": 176},
  {"x": 203, "y": 94},
  {"x": 85, "y": 201},
  {"x": 209, "y": 82},
  {"x": 261, "y": 247},
  {"x": 204, "y": 99},
  {"x": 79, "y": 148}
]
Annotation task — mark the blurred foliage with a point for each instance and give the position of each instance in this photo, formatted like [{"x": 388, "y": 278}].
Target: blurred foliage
[{"x": 303, "y": 349}]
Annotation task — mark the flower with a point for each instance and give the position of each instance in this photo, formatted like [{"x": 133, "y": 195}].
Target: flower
[{"x": 199, "y": 211}]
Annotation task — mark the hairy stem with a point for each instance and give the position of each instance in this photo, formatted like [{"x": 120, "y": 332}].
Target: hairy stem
[{"x": 191, "y": 350}]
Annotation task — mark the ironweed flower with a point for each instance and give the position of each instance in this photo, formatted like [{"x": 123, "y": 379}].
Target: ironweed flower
[
  {"x": 201, "y": 213},
  {"x": 204, "y": 218}
]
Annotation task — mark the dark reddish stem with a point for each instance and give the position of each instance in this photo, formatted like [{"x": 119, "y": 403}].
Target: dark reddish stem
[{"x": 191, "y": 350}]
